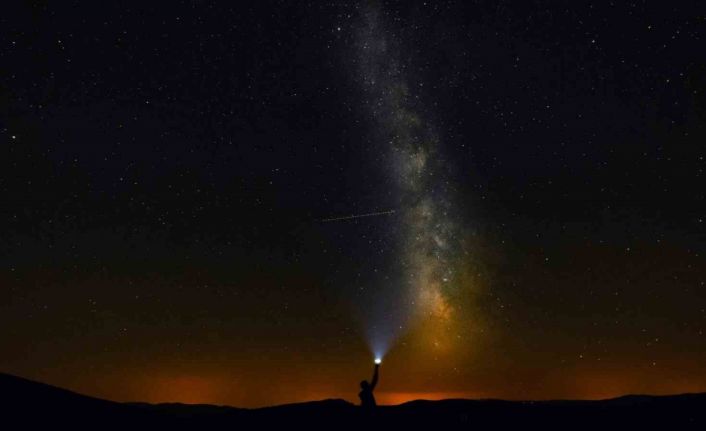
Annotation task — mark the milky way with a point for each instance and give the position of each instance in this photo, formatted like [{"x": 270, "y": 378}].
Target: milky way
[{"x": 428, "y": 236}]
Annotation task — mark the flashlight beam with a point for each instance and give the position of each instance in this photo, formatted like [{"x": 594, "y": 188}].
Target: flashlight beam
[{"x": 353, "y": 216}]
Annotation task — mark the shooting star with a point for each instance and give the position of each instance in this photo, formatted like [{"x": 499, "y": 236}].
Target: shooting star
[{"x": 353, "y": 216}]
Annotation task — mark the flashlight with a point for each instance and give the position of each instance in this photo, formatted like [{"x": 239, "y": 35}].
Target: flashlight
[{"x": 378, "y": 360}]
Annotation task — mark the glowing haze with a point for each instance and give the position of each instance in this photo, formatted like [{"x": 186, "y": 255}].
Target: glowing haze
[{"x": 427, "y": 232}]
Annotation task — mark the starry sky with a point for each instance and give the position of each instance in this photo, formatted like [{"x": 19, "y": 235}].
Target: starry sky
[{"x": 181, "y": 183}]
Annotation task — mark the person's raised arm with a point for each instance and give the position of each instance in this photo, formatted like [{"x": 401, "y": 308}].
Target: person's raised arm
[{"x": 375, "y": 377}]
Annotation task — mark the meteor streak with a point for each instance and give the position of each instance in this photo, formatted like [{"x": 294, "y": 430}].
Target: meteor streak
[{"x": 350, "y": 217}]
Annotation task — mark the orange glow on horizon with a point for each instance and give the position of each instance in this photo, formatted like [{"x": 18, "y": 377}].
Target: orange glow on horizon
[
  {"x": 394, "y": 398},
  {"x": 225, "y": 390}
]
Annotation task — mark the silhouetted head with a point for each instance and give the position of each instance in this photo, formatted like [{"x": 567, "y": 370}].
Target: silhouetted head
[{"x": 364, "y": 385}]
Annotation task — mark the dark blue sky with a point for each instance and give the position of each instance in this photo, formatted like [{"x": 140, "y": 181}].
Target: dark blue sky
[{"x": 165, "y": 163}]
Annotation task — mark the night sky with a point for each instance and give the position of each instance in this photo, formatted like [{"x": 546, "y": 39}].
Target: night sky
[{"x": 181, "y": 184}]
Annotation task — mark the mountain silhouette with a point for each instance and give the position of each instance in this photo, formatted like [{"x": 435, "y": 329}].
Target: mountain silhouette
[{"x": 27, "y": 404}]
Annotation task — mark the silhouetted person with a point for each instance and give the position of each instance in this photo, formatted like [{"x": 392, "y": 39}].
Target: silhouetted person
[{"x": 367, "y": 399}]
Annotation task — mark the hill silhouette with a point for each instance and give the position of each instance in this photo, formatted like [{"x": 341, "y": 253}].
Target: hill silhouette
[{"x": 27, "y": 404}]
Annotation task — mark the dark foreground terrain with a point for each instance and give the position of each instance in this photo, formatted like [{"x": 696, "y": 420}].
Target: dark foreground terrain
[{"x": 29, "y": 405}]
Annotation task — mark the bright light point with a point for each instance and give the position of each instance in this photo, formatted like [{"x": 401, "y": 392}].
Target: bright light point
[{"x": 378, "y": 361}]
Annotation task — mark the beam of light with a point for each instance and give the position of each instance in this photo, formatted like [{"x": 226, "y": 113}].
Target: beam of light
[
  {"x": 421, "y": 285},
  {"x": 354, "y": 216}
]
